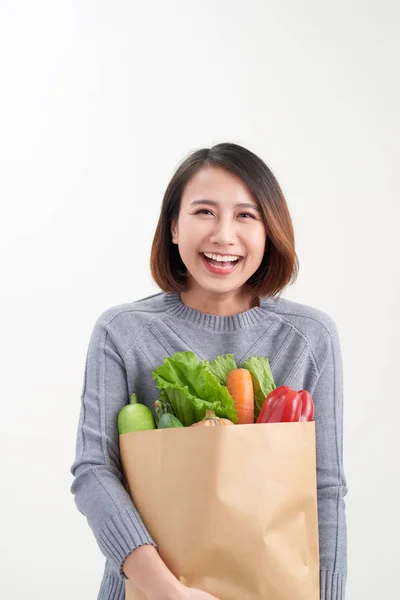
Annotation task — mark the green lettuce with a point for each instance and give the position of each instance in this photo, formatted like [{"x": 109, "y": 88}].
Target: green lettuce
[
  {"x": 221, "y": 366},
  {"x": 263, "y": 381},
  {"x": 192, "y": 387}
]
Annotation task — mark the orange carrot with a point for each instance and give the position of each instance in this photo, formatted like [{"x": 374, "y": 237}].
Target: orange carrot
[{"x": 240, "y": 387}]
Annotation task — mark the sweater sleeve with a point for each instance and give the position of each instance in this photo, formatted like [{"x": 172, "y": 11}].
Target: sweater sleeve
[
  {"x": 98, "y": 486},
  {"x": 331, "y": 481}
]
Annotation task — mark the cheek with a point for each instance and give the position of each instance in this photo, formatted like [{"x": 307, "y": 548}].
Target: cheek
[
  {"x": 189, "y": 239},
  {"x": 258, "y": 241},
  {"x": 191, "y": 232}
]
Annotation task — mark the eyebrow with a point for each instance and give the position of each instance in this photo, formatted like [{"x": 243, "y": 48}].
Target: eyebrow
[{"x": 241, "y": 204}]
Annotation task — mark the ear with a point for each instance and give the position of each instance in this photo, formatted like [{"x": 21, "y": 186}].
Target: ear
[{"x": 174, "y": 232}]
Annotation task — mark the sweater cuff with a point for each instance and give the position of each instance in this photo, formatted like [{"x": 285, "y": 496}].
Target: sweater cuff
[
  {"x": 122, "y": 534},
  {"x": 332, "y": 584}
]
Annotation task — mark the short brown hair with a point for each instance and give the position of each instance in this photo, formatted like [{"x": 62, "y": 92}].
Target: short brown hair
[{"x": 280, "y": 263}]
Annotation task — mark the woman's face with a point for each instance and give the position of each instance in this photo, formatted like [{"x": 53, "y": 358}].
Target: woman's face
[{"x": 218, "y": 215}]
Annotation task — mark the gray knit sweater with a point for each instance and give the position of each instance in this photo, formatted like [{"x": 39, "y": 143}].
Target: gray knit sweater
[{"x": 130, "y": 340}]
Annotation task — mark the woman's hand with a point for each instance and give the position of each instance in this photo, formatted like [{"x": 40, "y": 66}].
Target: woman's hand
[
  {"x": 195, "y": 594},
  {"x": 148, "y": 572}
]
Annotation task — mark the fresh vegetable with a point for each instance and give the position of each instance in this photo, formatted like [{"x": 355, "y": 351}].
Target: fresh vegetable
[
  {"x": 135, "y": 417},
  {"x": 281, "y": 405},
  {"x": 240, "y": 386},
  {"x": 211, "y": 420},
  {"x": 284, "y": 405},
  {"x": 162, "y": 407},
  {"x": 263, "y": 381},
  {"x": 167, "y": 420},
  {"x": 261, "y": 374},
  {"x": 192, "y": 387},
  {"x": 307, "y": 406},
  {"x": 221, "y": 366}
]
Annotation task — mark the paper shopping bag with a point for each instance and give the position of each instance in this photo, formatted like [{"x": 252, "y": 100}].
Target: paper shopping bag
[{"x": 233, "y": 509}]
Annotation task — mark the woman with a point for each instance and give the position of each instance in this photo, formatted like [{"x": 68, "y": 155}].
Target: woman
[{"x": 222, "y": 253}]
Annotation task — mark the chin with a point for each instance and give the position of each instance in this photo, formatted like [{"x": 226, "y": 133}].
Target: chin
[{"x": 220, "y": 286}]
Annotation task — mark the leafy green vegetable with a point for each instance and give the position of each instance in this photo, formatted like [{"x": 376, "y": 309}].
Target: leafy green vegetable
[
  {"x": 263, "y": 381},
  {"x": 192, "y": 387},
  {"x": 221, "y": 365}
]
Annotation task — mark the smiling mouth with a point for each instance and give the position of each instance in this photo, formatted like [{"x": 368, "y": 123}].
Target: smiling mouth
[{"x": 221, "y": 264}]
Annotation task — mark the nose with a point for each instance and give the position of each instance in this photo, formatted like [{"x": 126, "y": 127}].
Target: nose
[{"x": 223, "y": 232}]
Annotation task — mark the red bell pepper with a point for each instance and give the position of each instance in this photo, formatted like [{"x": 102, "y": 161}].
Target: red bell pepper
[
  {"x": 284, "y": 405},
  {"x": 307, "y": 406}
]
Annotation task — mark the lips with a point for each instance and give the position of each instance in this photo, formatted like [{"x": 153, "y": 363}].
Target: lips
[
  {"x": 222, "y": 263},
  {"x": 222, "y": 254},
  {"x": 220, "y": 270}
]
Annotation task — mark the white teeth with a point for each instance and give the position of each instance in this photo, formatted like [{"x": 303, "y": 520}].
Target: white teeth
[{"x": 226, "y": 258}]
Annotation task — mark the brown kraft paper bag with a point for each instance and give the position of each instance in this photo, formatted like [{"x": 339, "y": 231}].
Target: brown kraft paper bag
[{"x": 233, "y": 509}]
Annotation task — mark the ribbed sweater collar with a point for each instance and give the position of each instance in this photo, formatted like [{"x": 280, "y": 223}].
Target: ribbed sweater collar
[{"x": 249, "y": 318}]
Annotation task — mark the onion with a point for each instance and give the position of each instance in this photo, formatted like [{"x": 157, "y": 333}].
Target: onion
[{"x": 211, "y": 420}]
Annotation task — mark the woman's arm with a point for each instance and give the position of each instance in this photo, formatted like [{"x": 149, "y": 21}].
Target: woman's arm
[
  {"x": 331, "y": 481},
  {"x": 149, "y": 574},
  {"x": 98, "y": 485}
]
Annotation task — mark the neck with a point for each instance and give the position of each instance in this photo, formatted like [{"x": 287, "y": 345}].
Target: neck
[{"x": 221, "y": 305}]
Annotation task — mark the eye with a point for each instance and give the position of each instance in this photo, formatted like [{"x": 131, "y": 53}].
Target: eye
[
  {"x": 205, "y": 210},
  {"x": 248, "y": 214},
  {"x": 202, "y": 210}
]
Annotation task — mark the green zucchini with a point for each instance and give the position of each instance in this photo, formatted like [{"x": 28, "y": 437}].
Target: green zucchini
[{"x": 167, "y": 420}]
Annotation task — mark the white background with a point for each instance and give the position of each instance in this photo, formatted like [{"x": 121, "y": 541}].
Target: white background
[{"x": 100, "y": 101}]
